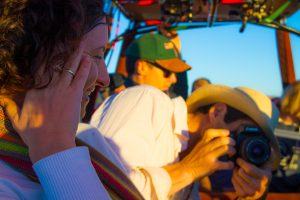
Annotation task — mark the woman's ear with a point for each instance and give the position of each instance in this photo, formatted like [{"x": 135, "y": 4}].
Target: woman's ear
[{"x": 217, "y": 113}]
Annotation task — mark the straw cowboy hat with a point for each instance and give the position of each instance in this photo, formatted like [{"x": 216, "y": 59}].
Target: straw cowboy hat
[{"x": 254, "y": 104}]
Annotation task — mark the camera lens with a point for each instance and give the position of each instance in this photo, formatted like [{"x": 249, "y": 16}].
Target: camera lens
[{"x": 255, "y": 150}]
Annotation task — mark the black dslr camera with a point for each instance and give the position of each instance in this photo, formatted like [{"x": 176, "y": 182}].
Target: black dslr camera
[{"x": 252, "y": 145}]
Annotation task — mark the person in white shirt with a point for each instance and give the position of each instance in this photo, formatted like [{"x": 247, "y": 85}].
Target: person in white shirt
[{"x": 148, "y": 130}]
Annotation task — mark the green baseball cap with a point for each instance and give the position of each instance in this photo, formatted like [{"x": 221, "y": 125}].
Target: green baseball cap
[{"x": 154, "y": 47}]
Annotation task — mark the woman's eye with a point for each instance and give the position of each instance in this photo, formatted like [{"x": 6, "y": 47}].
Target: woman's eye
[{"x": 98, "y": 57}]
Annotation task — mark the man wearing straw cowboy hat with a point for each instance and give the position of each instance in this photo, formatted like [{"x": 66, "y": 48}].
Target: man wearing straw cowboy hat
[
  {"x": 238, "y": 108},
  {"x": 148, "y": 130}
]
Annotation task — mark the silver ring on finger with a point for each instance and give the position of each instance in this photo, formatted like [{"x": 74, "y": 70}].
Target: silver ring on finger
[{"x": 70, "y": 72}]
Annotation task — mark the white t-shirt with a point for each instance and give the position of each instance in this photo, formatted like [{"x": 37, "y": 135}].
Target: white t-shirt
[{"x": 147, "y": 130}]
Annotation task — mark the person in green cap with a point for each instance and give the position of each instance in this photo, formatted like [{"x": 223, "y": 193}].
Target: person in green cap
[{"x": 154, "y": 60}]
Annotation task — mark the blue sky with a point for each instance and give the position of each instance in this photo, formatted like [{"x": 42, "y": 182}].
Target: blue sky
[{"x": 226, "y": 56}]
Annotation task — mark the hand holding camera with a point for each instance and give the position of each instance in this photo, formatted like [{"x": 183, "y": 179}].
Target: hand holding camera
[
  {"x": 253, "y": 163},
  {"x": 203, "y": 159},
  {"x": 252, "y": 146}
]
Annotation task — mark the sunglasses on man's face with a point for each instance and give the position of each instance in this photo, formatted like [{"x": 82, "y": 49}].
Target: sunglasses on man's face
[{"x": 166, "y": 72}]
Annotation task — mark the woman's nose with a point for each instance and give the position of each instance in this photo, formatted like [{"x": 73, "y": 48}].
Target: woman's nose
[{"x": 103, "y": 78}]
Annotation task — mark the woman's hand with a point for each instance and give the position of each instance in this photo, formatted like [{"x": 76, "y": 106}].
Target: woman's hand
[{"x": 48, "y": 119}]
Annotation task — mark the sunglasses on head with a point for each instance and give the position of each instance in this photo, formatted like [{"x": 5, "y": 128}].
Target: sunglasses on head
[{"x": 166, "y": 72}]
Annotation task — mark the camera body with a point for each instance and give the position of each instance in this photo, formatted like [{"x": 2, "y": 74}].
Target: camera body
[{"x": 252, "y": 145}]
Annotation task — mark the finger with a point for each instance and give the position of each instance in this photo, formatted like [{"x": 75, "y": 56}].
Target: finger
[
  {"x": 11, "y": 110},
  {"x": 238, "y": 188},
  {"x": 263, "y": 176},
  {"x": 57, "y": 71},
  {"x": 223, "y": 150},
  {"x": 250, "y": 192},
  {"x": 221, "y": 141},
  {"x": 250, "y": 169},
  {"x": 213, "y": 133},
  {"x": 243, "y": 189},
  {"x": 82, "y": 74},
  {"x": 225, "y": 165},
  {"x": 71, "y": 66},
  {"x": 255, "y": 183},
  {"x": 210, "y": 134},
  {"x": 211, "y": 145}
]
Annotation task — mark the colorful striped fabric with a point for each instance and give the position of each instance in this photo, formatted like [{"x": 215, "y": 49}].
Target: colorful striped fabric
[{"x": 15, "y": 153}]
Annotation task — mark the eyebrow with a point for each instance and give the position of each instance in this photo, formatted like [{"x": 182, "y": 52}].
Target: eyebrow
[
  {"x": 91, "y": 52},
  {"x": 100, "y": 48},
  {"x": 96, "y": 24}
]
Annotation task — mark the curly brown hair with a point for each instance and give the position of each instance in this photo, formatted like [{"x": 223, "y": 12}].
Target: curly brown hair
[{"x": 31, "y": 28}]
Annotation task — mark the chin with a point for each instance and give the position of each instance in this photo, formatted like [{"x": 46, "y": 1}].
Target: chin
[{"x": 82, "y": 114}]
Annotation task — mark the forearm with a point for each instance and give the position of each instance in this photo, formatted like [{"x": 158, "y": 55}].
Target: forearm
[
  {"x": 151, "y": 182},
  {"x": 70, "y": 175},
  {"x": 43, "y": 149},
  {"x": 179, "y": 176}
]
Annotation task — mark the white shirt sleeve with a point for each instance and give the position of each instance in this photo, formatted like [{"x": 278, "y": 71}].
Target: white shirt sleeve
[
  {"x": 133, "y": 122},
  {"x": 15, "y": 185},
  {"x": 69, "y": 175}
]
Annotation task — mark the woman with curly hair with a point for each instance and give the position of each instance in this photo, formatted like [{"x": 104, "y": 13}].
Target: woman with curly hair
[{"x": 51, "y": 59}]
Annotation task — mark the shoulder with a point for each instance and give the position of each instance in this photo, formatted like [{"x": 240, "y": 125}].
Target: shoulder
[
  {"x": 144, "y": 89},
  {"x": 142, "y": 93},
  {"x": 139, "y": 103}
]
